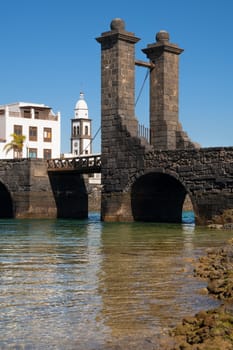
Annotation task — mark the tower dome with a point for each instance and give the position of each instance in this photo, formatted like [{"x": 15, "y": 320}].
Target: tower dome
[
  {"x": 81, "y": 109},
  {"x": 81, "y": 139}
]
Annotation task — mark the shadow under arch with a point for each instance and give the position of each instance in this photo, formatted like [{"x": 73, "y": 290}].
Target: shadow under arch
[
  {"x": 6, "y": 203},
  {"x": 157, "y": 197}
]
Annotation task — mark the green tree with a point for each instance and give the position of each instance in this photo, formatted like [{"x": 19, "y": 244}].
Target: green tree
[{"x": 16, "y": 145}]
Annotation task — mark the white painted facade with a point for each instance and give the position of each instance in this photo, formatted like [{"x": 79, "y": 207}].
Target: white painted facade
[
  {"x": 37, "y": 122},
  {"x": 81, "y": 134}
]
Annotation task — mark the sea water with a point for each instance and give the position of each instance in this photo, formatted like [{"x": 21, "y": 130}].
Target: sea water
[{"x": 85, "y": 284}]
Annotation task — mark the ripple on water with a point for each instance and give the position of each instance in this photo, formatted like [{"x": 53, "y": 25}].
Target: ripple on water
[{"x": 69, "y": 284}]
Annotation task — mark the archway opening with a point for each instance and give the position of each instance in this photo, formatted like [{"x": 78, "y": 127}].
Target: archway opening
[
  {"x": 157, "y": 197},
  {"x": 6, "y": 205}
]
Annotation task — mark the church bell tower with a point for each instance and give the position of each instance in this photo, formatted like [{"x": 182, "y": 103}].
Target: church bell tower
[{"x": 81, "y": 140}]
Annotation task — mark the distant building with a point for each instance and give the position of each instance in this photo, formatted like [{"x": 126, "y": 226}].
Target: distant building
[
  {"x": 81, "y": 138},
  {"x": 37, "y": 123}
]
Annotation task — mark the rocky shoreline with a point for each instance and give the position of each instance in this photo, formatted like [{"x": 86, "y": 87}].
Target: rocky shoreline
[{"x": 212, "y": 329}]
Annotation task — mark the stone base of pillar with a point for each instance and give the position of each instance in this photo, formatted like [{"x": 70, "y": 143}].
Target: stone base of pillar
[{"x": 116, "y": 206}]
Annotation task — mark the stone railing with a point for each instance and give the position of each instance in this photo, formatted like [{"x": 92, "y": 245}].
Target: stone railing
[{"x": 82, "y": 164}]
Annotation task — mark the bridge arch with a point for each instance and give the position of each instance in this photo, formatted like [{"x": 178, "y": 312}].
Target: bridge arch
[
  {"x": 6, "y": 203},
  {"x": 158, "y": 197}
]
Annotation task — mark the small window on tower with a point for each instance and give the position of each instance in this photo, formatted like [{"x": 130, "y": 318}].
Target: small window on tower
[
  {"x": 86, "y": 130},
  {"x": 74, "y": 131},
  {"x": 78, "y": 130}
]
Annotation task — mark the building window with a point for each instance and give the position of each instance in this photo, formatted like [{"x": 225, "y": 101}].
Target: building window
[
  {"x": 86, "y": 130},
  {"x": 27, "y": 113},
  {"x": 47, "y": 153},
  {"x": 37, "y": 115},
  {"x": 78, "y": 130},
  {"x": 18, "y": 129},
  {"x": 32, "y": 153},
  {"x": 47, "y": 134},
  {"x": 32, "y": 133},
  {"x": 86, "y": 151},
  {"x": 74, "y": 132}
]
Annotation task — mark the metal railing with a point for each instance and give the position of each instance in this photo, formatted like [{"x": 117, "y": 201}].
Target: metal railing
[
  {"x": 81, "y": 164},
  {"x": 144, "y": 132}
]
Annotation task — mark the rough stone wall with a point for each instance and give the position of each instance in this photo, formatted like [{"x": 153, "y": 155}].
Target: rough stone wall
[
  {"x": 117, "y": 78},
  {"x": 166, "y": 131},
  {"x": 206, "y": 174},
  {"x": 41, "y": 198},
  {"x": 15, "y": 177},
  {"x": 94, "y": 197},
  {"x": 187, "y": 206},
  {"x": 32, "y": 193},
  {"x": 28, "y": 184},
  {"x": 117, "y": 102}
]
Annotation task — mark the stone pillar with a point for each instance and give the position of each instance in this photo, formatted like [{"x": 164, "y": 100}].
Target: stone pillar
[
  {"x": 164, "y": 91},
  {"x": 117, "y": 78},
  {"x": 118, "y": 120}
]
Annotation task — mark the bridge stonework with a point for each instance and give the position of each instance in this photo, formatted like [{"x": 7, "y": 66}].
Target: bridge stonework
[
  {"x": 27, "y": 190},
  {"x": 149, "y": 181},
  {"x": 156, "y": 183}
]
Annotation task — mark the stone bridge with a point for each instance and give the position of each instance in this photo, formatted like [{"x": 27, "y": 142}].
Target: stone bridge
[
  {"x": 153, "y": 187},
  {"x": 36, "y": 188},
  {"x": 142, "y": 180},
  {"x": 148, "y": 181}
]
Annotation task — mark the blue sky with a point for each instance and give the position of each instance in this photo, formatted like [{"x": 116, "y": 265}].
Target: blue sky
[{"x": 49, "y": 54}]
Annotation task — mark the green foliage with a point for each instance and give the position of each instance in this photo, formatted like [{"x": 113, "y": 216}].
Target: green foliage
[{"x": 16, "y": 145}]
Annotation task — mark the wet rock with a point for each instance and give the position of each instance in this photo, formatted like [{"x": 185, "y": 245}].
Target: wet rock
[
  {"x": 203, "y": 291},
  {"x": 212, "y": 329},
  {"x": 207, "y": 328}
]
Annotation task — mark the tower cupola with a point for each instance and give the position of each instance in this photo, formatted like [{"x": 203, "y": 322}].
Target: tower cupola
[
  {"x": 81, "y": 109},
  {"x": 81, "y": 128}
]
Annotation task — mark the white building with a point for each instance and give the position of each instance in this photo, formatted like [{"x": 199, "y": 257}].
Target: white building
[
  {"x": 81, "y": 135},
  {"x": 37, "y": 123},
  {"x": 81, "y": 139}
]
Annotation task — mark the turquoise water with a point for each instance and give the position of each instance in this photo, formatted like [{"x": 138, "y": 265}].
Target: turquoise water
[{"x": 69, "y": 284}]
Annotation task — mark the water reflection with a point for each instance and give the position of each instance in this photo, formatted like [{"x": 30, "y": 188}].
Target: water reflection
[
  {"x": 48, "y": 283},
  {"x": 141, "y": 278},
  {"x": 88, "y": 285}
]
